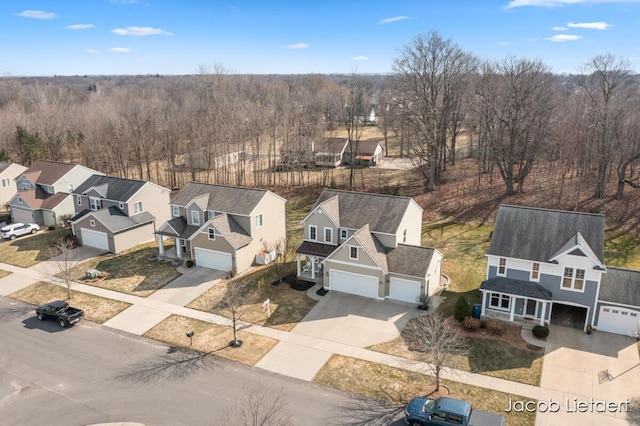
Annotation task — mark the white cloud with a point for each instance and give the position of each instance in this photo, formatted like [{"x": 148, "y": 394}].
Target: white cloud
[
  {"x": 79, "y": 27},
  {"x": 504, "y": 43},
  {"x": 120, "y": 49},
  {"x": 360, "y": 58},
  {"x": 140, "y": 31},
  {"x": 92, "y": 51},
  {"x": 564, "y": 37},
  {"x": 559, "y": 28},
  {"x": 589, "y": 25},
  {"x": 394, "y": 19},
  {"x": 561, "y": 3},
  {"x": 36, "y": 14},
  {"x": 297, "y": 46}
]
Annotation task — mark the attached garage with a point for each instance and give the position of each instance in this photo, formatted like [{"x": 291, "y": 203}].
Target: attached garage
[
  {"x": 404, "y": 290},
  {"x": 618, "y": 320},
  {"x": 21, "y": 216},
  {"x": 348, "y": 282},
  {"x": 94, "y": 239},
  {"x": 213, "y": 259}
]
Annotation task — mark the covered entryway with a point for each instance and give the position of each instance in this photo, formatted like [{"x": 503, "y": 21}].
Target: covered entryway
[
  {"x": 94, "y": 239},
  {"x": 569, "y": 315},
  {"x": 21, "y": 216},
  {"x": 348, "y": 282},
  {"x": 618, "y": 320},
  {"x": 213, "y": 259},
  {"x": 404, "y": 290}
]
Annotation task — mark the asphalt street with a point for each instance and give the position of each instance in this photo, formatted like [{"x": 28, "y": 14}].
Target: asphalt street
[{"x": 91, "y": 374}]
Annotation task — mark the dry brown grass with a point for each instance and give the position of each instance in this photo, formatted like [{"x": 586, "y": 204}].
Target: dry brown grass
[
  {"x": 397, "y": 386},
  {"x": 30, "y": 250},
  {"x": 4, "y": 273},
  {"x": 96, "y": 309},
  {"x": 212, "y": 338},
  {"x": 129, "y": 272}
]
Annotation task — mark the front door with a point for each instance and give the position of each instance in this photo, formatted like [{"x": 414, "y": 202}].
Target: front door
[{"x": 532, "y": 308}]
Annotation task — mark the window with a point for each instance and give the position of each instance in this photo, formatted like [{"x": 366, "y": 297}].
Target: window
[
  {"x": 353, "y": 252},
  {"x": 344, "y": 234},
  {"x": 19, "y": 199},
  {"x": 92, "y": 222},
  {"x": 404, "y": 236},
  {"x": 212, "y": 233},
  {"x": 6, "y": 182},
  {"x": 79, "y": 200},
  {"x": 137, "y": 207},
  {"x": 259, "y": 220},
  {"x": 121, "y": 206},
  {"x": 24, "y": 186},
  {"x": 502, "y": 268},
  {"x": 195, "y": 217},
  {"x": 573, "y": 279},
  {"x": 535, "y": 272},
  {"x": 313, "y": 232},
  {"x": 500, "y": 301},
  {"x": 175, "y": 211},
  {"x": 328, "y": 235},
  {"x": 48, "y": 189},
  {"x": 95, "y": 203}
]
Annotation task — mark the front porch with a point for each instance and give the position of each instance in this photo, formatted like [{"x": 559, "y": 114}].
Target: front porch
[
  {"x": 179, "y": 251},
  {"x": 309, "y": 260}
]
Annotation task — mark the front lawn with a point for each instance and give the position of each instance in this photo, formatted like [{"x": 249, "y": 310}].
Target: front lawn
[
  {"x": 30, "y": 250},
  {"x": 96, "y": 309},
  {"x": 129, "y": 272},
  {"x": 4, "y": 273}
]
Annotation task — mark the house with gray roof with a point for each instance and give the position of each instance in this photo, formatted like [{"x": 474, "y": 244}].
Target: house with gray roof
[
  {"x": 546, "y": 266},
  {"x": 115, "y": 214},
  {"x": 223, "y": 227},
  {"x": 368, "y": 245},
  {"x": 8, "y": 188}
]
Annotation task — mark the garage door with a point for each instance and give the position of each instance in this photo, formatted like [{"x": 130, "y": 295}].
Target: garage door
[
  {"x": 95, "y": 239},
  {"x": 618, "y": 320},
  {"x": 22, "y": 216},
  {"x": 347, "y": 282},
  {"x": 213, "y": 259},
  {"x": 404, "y": 290}
]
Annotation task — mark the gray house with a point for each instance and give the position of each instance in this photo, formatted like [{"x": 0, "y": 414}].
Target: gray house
[{"x": 546, "y": 264}]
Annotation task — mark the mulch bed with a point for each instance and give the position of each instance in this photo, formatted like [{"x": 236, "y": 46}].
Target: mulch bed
[{"x": 511, "y": 334}]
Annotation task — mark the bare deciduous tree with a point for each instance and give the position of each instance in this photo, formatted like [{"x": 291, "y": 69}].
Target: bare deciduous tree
[
  {"x": 65, "y": 257},
  {"x": 259, "y": 406},
  {"x": 431, "y": 334},
  {"x": 283, "y": 250},
  {"x": 239, "y": 294}
]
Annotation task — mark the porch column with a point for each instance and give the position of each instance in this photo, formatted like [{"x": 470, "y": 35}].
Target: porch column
[
  {"x": 298, "y": 264},
  {"x": 484, "y": 303},
  {"x": 161, "y": 245},
  {"x": 544, "y": 312},
  {"x": 512, "y": 308},
  {"x": 178, "y": 248},
  {"x": 313, "y": 267}
]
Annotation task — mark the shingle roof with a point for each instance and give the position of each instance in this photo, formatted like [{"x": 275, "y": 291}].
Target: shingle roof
[
  {"x": 537, "y": 234},
  {"x": 111, "y": 188},
  {"x": 231, "y": 230},
  {"x": 179, "y": 225},
  {"x": 332, "y": 207},
  {"x": 4, "y": 166},
  {"x": 410, "y": 260},
  {"x": 373, "y": 246},
  {"x": 115, "y": 220},
  {"x": 330, "y": 145},
  {"x": 516, "y": 287},
  {"x": 222, "y": 198},
  {"x": 316, "y": 249},
  {"x": 48, "y": 172},
  {"x": 382, "y": 213},
  {"x": 620, "y": 285},
  {"x": 40, "y": 199},
  {"x": 367, "y": 147}
]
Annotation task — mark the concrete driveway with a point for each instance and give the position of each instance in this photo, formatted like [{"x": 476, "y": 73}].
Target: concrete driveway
[{"x": 601, "y": 366}]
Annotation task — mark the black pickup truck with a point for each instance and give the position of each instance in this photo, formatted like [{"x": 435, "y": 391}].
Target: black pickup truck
[{"x": 59, "y": 311}]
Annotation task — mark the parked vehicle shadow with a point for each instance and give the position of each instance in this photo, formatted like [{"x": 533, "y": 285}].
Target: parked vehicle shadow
[{"x": 33, "y": 323}]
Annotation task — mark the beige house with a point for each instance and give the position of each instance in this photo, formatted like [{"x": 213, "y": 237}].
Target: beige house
[
  {"x": 368, "y": 245},
  {"x": 8, "y": 174},
  {"x": 115, "y": 214},
  {"x": 222, "y": 227}
]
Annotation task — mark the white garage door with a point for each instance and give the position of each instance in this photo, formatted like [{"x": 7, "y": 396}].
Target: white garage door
[
  {"x": 404, "y": 290},
  {"x": 23, "y": 216},
  {"x": 213, "y": 259},
  {"x": 94, "y": 239},
  {"x": 347, "y": 282},
  {"x": 618, "y": 320}
]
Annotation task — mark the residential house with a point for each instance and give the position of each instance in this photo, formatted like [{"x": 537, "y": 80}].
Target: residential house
[
  {"x": 115, "y": 214},
  {"x": 363, "y": 153},
  {"x": 8, "y": 174},
  {"x": 543, "y": 265},
  {"x": 224, "y": 227},
  {"x": 329, "y": 151},
  {"x": 44, "y": 192},
  {"x": 368, "y": 245}
]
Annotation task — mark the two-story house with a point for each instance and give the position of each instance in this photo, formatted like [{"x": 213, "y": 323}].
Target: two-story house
[
  {"x": 223, "y": 227},
  {"x": 44, "y": 192},
  {"x": 368, "y": 245},
  {"x": 542, "y": 263},
  {"x": 8, "y": 174},
  {"x": 115, "y": 214}
]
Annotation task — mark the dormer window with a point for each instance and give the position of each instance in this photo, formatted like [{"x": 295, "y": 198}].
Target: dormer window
[
  {"x": 313, "y": 232},
  {"x": 344, "y": 234},
  {"x": 195, "y": 217},
  {"x": 95, "y": 203},
  {"x": 502, "y": 266}
]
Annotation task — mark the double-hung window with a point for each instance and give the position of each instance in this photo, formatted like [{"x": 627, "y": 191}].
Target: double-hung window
[
  {"x": 500, "y": 301},
  {"x": 137, "y": 207},
  {"x": 573, "y": 279},
  {"x": 195, "y": 217},
  {"x": 95, "y": 203},
  {"x": 313, "y": 232}
]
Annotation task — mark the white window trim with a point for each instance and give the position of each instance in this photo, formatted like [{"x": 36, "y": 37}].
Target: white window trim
[
  {"x": 92, "y": 222},
  {"x": 121, "y": 205},
  {"x": 315, "y": 231},
  {"x": 357, "y": 252},
  {"x": 330, "y": 240},
  {"x": 6, "y": 182},
  {"x": 211, "y": 232},
  {"x": 79, "y": 200},
  {"x": 135, "y": 207},
  {"x": 531, "y": 277},
  {"x": 93, "y": 202},
  {"x": 195, "y": 217},
  {"x": 501, "y": 297},
  {"x": 175, "y": 211},
  {"x": 259, "y": 216},
  {"x": 344, "y": 234},
  {"x": 573, "y": 280},
  {"x": 503, "y": 273}
]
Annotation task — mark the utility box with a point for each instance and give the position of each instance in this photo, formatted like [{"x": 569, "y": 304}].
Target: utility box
[
  {"x": 477, "y": 310},
  {"x": 92, "y": 273}
]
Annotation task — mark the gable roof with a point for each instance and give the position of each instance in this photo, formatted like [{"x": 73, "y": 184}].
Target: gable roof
[
  {"x": 383, "y": 213},
  {"x": 621, "y": 286},
  {"x": 372, "y": 245},
  {"x": 111, "y": 188},
  {"x": 177, "y": 228},
  {"x": 410, "y": 260},
  {"x": 222, "y": 198},
  {"x": 367, "y": 147},
  {"x": 231, "y": 230},
  {"x": 48, "y": 172},
  {"x": 5, "y": 166},
  {"x": 330, "y": 145},
  {"x": 40, "y": 199},
  {"x": 538, "y": 234},
  {"x": 115, "y": 220}
]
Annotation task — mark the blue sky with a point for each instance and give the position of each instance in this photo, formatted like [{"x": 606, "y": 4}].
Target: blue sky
[{"x": 88, "y": 37}]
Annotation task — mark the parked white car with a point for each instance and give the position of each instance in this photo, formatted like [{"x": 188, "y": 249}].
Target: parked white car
[{"x": 14, "y": 230}]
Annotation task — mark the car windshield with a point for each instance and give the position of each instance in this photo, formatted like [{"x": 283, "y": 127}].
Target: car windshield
[{"x": 429, "y": 405}]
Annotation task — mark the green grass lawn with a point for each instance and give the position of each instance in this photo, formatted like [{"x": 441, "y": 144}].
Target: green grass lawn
[
  {"x": 622, "y": 250},
  {"x": 30, "y": 250}
]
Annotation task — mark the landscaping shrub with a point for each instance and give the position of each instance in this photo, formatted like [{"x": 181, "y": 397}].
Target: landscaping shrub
[
  {"x": 52, "y": 227},
  {"x": 483, "y": 324},
  {"x": 471, "y": 323},
  {"x": 540, "y": 331},
  {"x": 189, "y": 263},
  {"x": 462, "y": 309},
  {"x": 495, "y": 327}
]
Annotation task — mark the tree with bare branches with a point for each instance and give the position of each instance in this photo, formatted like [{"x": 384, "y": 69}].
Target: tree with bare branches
[
  {"x": 239, "y": 294},
  {"x": 65, "y": 257},
  {"x": 283, "y": 250},
  {"x": 259, "y": 406},
  {"x": 431, "y": 334}
]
